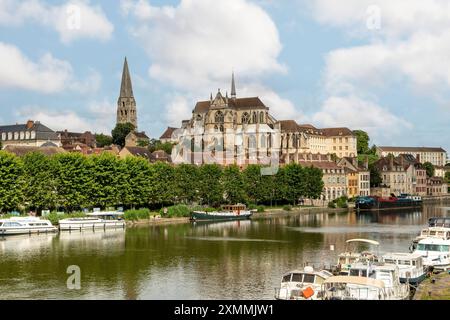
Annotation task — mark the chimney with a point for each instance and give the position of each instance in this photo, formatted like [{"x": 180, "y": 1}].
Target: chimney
[{"x": 30, "y": 124}]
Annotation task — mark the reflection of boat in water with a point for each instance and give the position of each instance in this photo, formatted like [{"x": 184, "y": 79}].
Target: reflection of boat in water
[
  {"x": 443, "y": 222},
  {"x": 228, "y": 212},
  {"x": 25, "y": 225},
  {"x": 96, "y": 220},
  {"x": 26, "y": 244},
  {"x": 217, "y": 225},
  {"x": 302, "y": 284},
  {"x": 109, "y": 235}
]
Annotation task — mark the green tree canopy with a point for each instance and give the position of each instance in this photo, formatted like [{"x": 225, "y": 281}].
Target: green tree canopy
[
  {"x": 106, "y": 176},
  {"x": 103, "y": 140},
  {"x": 362, "y": 144},
  {"x": 162, "y": 176},
  {"x": 210, "y": 189},
  {"x": 11, "y": 181},
  {"x": 120, "y": 132},
  {"x": 375, "y": 176},
  {"x": 185, "y": 183},
  {"x": 233, "y": 185},
  {"x": 314, "y": 183},
  {"x": 295, "y": 182},
  {"x": 40, "y": 191},
  {"x": 430, "y": 169},
  {"x": 156, "y": 145}
]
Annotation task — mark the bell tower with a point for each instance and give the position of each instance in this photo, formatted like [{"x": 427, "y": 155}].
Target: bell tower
[{"x": 126, "y": 104}]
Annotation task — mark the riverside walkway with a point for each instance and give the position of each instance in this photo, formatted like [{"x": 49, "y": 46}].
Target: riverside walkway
[{"x": 439, "y": 289}]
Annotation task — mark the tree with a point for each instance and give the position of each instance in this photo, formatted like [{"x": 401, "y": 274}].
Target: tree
[
  {"x": 162, "y": 176},
  {"x": 185, "y": 183},
  {"x": 375, "y": 176},
  {"x": 40, "y": 191},
  {"x": 156, "y": 145},
  {"x": 120, "y": 132},
  {"x": 362, "y": 144},
  {"x": 106, "y": 177},
  {"x": 11, "y": 182},
  {"x": 233, "y": 185},
  {"x": 447, "y": 177},
  {"x": 103, "y": 140},
  {"x": 209, "y": 187},
  {"x": 73, "y": 180},
  {"x": 429, "y": 168},
  {"x": 295, "y": 183},
  {"x": 314, "y": 183}
]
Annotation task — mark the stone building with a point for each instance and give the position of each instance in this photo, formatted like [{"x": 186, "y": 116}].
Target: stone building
[
  {"x": 136, "y": 139},
  {"x": 227, "y": 130},
  {"x": 71, "y": 138},
  {"x": 436, "y": 156},
  {"x": 126, "y": 104},
  {"x": 358, "y": 177},
  {"x": 436, "y": 186},
  {"x": 32, "y": 133},
  {"x": 167, "y": 135}
]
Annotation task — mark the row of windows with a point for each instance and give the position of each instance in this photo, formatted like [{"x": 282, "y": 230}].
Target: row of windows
[
  {"x": 219, "y": 117},
  {"x": 336, "y": 180},
  {"x": 18, "y": 135}
]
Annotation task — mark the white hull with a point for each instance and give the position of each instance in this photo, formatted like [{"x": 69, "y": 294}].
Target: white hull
[
  {"x": 26, "y": 230},
  {"x": 85, "y": 225}
]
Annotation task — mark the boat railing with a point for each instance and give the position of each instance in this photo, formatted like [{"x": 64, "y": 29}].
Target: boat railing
[{"x": 82, "y": 227}]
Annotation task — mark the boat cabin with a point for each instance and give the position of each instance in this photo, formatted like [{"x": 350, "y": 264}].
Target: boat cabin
[
  {"x": 353, "y": 288},
  {"x": 236, "y": 207},
  {"x": 439, "y": 222},
  {"x": 106, "y": 215},
  {"x": 306, "y": 277},
  {"x": 404, "y": 259},
  {"x": 436, "y": 232}
]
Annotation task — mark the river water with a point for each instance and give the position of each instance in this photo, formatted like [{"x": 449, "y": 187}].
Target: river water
[{"x": 229, "y": 260}]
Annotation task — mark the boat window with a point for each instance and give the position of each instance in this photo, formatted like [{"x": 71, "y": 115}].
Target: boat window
[
  {"x": 309, "y": 278},
  {"x": 389, "y": 261},
  {"x": 297, "y": 277},
  {"x": 433, "y": 247},
  {"x": 12, "y": 224},
  {"x": 286, "y": 278},
  {"x": 404, "y": 262},
  {"x": 354, "y": 272}
]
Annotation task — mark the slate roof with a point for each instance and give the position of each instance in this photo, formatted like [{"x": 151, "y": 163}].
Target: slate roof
[
  {"x": 140, "y": 152},
  {"x": 238, "y": 104},
  {"x": 168, "y": 133},
  {"x": 410, "y": 149},
  {"x": 42, "y": 132}
]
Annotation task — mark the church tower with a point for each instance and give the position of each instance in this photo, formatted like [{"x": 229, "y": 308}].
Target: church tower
[{"x": 126, "y": 105}]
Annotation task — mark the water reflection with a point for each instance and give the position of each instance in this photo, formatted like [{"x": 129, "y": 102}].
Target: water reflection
[{"x": 223, "y": 260}]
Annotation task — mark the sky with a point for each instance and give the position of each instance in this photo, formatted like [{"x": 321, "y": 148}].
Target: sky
[{"x": 377, "y": 65}]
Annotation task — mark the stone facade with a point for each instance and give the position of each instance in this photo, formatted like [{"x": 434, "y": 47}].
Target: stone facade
[
  {"x": 358, "y": 177},
  {"x": 436, "y": 156},
  {"x": 136, "y": 139},
  {"x": 126, "y": 104}
]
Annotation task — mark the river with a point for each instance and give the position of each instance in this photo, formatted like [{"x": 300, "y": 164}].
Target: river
[{"x": 230, "y": 260}]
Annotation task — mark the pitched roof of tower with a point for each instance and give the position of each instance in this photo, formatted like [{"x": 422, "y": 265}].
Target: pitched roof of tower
[
  {"x": 233, "y": 86},
  {"x": 126, "y": 89}
]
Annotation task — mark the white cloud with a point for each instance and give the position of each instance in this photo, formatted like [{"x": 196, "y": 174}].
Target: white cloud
[
  {"x": 48, "y": 75},
  {"x": 356, "y": 113},
  {"x": 72, "y": 20},
  {"x": 97, "y": 118},
  {"x": 177, "y": 110},
  {"x": 199, "y": 42}
]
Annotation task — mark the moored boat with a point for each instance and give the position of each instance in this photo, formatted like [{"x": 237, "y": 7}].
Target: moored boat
[
  {"x": 410, "y": 265},
  {"x": 96, "y": 220},
  {"x": 351, "y": 255},
  {"x": 353, "y": 288},
  {"x": 302, "y": 284},
  {"x": 435, "y": 253},
  {"x": 369, "y": 203},
  {"x": 25, "y": 225},
  {"x": 228, "y": 212}
]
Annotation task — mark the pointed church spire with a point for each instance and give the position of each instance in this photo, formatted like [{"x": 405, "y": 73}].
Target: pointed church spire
[
  {"x": 126, "y": 89},
  {"x": 233, "y": 87}
]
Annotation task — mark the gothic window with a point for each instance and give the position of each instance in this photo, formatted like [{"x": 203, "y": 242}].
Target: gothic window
[
  {"x": 216, "y": 128},
  {"x": 245, "y": 118},
  {"x": 199, "y": 117},
  {"x": 252, "y": 142},
  {"x": 219, "y": 117},
  {"x": 123, "y": 104},
  {"x": 221, "y": 128},
  {"x": 261, "y": 117},
  {"x": 255, "y": 118}
]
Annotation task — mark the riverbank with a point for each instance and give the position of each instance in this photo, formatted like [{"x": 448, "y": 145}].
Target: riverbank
[
  {"x": 259, "y": 215},
  {"x": 439, "y": 289}
]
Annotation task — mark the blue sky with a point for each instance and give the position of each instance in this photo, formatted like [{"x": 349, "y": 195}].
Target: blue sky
[{"x": 371, "y": 65}]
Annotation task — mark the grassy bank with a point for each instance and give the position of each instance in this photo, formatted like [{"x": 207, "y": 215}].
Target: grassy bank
[{"x": 439, "y": 290}]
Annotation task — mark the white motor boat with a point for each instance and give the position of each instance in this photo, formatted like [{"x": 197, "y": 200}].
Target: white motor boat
[
  {"x": 431, "y": 232},
  {"x": 25, "y": 225},
  {"x": 435, "y": 253},
  {"x": 96, "y": 220},
  {"x": 353, "y": 288},
  {"x": 351, "y": 256},
  {"x": 302, "y": 284},
  {"x": 411, "y": 268},
  {"x": 387, "y": 273}
]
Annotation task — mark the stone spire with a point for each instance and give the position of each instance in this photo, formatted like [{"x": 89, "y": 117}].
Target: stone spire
[
  {"x": 126, "y": 89},
  {"x": 126, "y": 104},
  {"x": 233, "y": 87}
]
